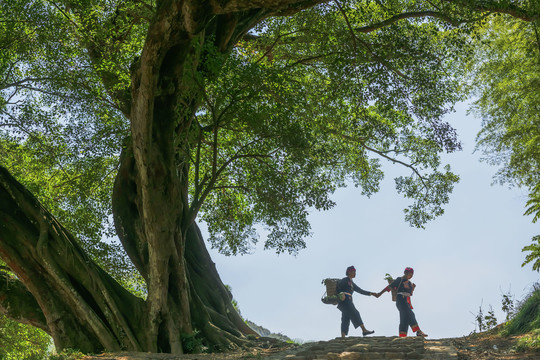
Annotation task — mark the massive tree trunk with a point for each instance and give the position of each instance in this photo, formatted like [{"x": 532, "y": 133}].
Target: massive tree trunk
[
  {"x": 151, "y": 204},
  {"x": 60, "y": 290},
  {"x": 65, "y": 292},
  {"x": 209, "y": 302},
  {"x": 211, "y": 307},
  {"x": 58, "y": 287}
]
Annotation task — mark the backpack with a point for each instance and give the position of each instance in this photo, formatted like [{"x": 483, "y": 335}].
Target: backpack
[
  {"x": 330, "y": 296},
  {"x": 389, "y": 278}
]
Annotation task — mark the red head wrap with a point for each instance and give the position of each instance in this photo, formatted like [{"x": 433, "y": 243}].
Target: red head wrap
[
  {"x": 409, "y": 270},
  {"x": 349, "y": 269}
]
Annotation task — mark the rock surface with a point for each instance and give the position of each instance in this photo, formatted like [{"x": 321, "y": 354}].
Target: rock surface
[
  {"x": 373, "y": 348},
  {"x": 350, "y": 348},
  {"x": 483, "y": 346}
]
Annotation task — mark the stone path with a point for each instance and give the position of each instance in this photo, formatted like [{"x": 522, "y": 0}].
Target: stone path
[
  {"x": 373, "y": 348},
  {"x": 350, "y": 348}
]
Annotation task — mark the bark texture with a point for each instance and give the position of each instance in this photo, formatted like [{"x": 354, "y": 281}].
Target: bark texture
[
  {"x": 184, "y": 289},
  {"x": 57, "y": 286},
  {"x": 60, "y": 290}
]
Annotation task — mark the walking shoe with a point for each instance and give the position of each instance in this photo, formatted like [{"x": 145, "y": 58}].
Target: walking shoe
[
  {"x": 368, "y": 332},
  {"x": 421, "y": 333}
]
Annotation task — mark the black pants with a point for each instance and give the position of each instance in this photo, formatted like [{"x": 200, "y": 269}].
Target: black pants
[
  {"x": 406, "y": 316},
  {"x": 349, "y": 314}
]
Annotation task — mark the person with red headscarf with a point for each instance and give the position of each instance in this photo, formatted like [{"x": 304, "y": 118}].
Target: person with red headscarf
[
  {"x": 345, "y": 288},
  {"x": 404, "y": 288}
]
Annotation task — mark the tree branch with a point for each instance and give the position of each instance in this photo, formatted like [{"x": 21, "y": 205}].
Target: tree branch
[
  {"x": 406, "y": 15},
  {"x": 23, "y": 81},
  {"x": 197, "y": 202},
  {"x": 362, "y": 142},
  {"x": 502, "y": 7},
  {"x": 410, "y": 166},
  {"x": 17, "y": 303},
  {"x": 275, "y": 7}
]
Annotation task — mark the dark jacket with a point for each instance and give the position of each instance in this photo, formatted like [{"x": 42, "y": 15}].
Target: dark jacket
[
  {"x": 347, "y": 286},
  {"x": 402, "y": 285}
]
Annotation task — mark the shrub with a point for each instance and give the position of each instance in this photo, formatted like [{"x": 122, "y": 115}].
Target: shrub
[
  {"x": 193, "y": 343},
  {"x": 18, "y": 341},
  {"x": 67, "y": 354}
]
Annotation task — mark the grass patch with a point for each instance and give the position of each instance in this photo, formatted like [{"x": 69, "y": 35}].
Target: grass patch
[
  {"x": 526, "y": 323},
  {"x": 527, "y": 318},
  {"x": 529, "y": 342}
]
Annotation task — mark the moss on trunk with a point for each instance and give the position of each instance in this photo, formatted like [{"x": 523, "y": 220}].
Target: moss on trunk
[{"x": 59, "y": 289}]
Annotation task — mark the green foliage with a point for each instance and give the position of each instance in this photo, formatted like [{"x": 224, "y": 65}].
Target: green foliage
[
  {"x": 508, "y": 305},
  {"x": 490, "y": 319},
  {"x": 487, "y": 321},
  {"x": 521, "y": 318},
  {"x": 60, "y": 135},
  {"x": 299, "y": 107},
  {"x": 534, "y": 255},
  {"x": 506, "y": 72},
  {"x": 304, "y": 108},
  {"x": 479, "y": 318},
  {"x": 527, "y": 317},
  {"x": 313, "y": 102},
  {"x": 22, "y": 342},
  {"x": 67, "y": 354},
  {"x": 194, "y": 343},
  {"x": 529, "y": 342}
]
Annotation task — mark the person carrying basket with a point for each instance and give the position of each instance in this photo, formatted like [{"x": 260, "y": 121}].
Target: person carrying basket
[
  {"x": 345, "y": 288},
  {"x": 404, "y": 289}
]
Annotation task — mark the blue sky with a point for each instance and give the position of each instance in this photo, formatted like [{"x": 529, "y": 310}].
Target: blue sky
[{"x": 468, "y": 257}]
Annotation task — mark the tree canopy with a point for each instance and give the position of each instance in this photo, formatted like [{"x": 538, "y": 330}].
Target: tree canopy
[
  {"x": 296, "y": 116},
  {"x": 506, "y": 70},
  {"x": 135, "y": 118}
]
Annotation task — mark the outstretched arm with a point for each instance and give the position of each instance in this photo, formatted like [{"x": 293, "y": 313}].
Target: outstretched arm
[
  {"x": 394, "y": 285},
  {"x": 386, "y": 289},
  {"x": 362, "y": 291}
]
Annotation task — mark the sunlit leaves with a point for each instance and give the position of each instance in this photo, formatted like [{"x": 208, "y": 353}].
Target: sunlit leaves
[
  {"x": 312, "y": 103},
  {"x": 507, "y": 79},
  {"x": 429, "y": 194},
  {"x": 60, "y": 132},
  {"x": 302, "y": 106},
  {"x": 18, "y": 341},
  {"x": 534, "y": 253}
]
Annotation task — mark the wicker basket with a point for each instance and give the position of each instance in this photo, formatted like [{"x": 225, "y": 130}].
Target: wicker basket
[
  {"x": 330, "y": 296},
  {"x": 390, "y": 280},
  {"x": 331, "y": 286},
  {"x": 394, "y": 291}
]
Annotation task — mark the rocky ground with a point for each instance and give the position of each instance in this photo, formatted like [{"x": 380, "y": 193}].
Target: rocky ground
[
  {"x": 488, "y": 346},
  {"x": 474, "y": 347}
]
